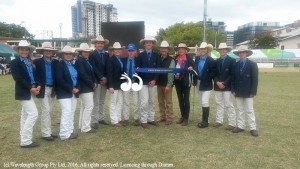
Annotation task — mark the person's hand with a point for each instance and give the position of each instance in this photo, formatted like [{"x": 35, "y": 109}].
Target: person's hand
[
  {"x": 176, "y": 76},
  {"x": 111, "y": 90},
  {"x": 167, "y": 89},
  {"x": 190, "y": 68},
  {"x": 75, "y": 90},
  {"x": 233, "y": 93},
  {"x": 38, "y": 88},
  {"x": 152, "y": 83},
  {"x": 103, "y": 82},
  {"x": 34, "y": 91},
  {"x": 220, "y": 85},
  {"x": 95, "y": 86}
]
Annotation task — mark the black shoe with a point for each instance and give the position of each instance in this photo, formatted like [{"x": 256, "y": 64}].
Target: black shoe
[
  {"x": 154, "y": 123},
  {"x": 32, "y": 145},
  {"x": 237, "y": 130},
  {"x": 103, "y": 122},
  {"x": 73, "y": 136},
  {"x": 54, "y": 136},
  {"x": 137, "y": 122},
  {"x": 95, "y": 125},
  {"x": 229, "y": 127},
  {"x": 254, "y": 133},
  {"x": 50, "y": 138},
  {"x": 203, "y": 124}
]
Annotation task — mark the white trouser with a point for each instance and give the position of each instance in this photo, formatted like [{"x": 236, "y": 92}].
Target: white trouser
[
  {"x": 204, "y": 96},
  {"x": 99, "y": 98},
  {"x": 86, "y": 109},
  {"x": 115, "y": 106},
  {"x": 245, "y": 106},
  {"x": 29, "y": 115},
  {"x": 46, "y": 108},
  {"x": 68, "y": 107},
  {"x": 126, "y": 104},
  {"x": 223, "y": 102},
  {"x": 147, "y": 94}
]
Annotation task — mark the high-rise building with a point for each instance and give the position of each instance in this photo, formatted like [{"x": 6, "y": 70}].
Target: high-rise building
[
  {"x": 92, "y": 14},
  {"x": 245, "y": 32},
  {"x": 229, "y": 38}
]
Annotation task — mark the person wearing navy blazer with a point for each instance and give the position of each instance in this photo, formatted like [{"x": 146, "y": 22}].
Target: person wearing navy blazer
[
  {"x": 67, "y": 86},
  {"x": 45, "y": 74},
  {"x": 87, "y": 86},
  {"x": 244, "y": 88},
  {"x": 115, "y": 69},
  {"x": 129, "y": 63},
  {"x": 26, "y": 88},
  {"x": 222, "y": 87},
  {"x": 183, "y": 82},
  {"x": 148, "y": 59},
  {"x": 98, "y": 59},
  {"x": 205, "y": 68}
]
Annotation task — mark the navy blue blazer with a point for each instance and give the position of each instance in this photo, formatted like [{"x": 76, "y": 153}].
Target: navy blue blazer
[
  {"x": 99, "y": 64},
  {"x": 114, "y": 73},
  {"x": 223, "y": 73},
  {"x": 245, "y": 82},
  {"x": 41, "y": 74},
  {"x": 64, "y": 84},
  {"x": 22, "y": 80},
  {"x": 208, "y": 73},
  {"x": 85, "y": 75},
  {"x": 143, "y": 62},
  {"x": 187, "y": 79}
]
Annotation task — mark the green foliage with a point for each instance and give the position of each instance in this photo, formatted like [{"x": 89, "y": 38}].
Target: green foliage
[
  {"x": 190, "y": 33},
  {"x": 263, "y": 41},
  {"x": 14, "y": 31}
]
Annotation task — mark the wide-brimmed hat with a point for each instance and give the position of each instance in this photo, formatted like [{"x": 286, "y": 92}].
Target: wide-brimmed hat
[
  {"x": 210, "y": 47},
  {"x": 99, "y": 38},
  {"x": 116, "y": 45},
  {"x": 84, "y": 47},
  {"x": 224, "y": 46},
  {"x": 24, "y": 43},
  {"x": 203, "y": 45},
  {"x": 181, "y": 45},
  {"x": 148, "y": 39},
  {"x": 46, "y": 46},
  {"x": 67, "y": 49},
  {"x": 243, "y": 48},
  {"x": 165, "y": 44}
]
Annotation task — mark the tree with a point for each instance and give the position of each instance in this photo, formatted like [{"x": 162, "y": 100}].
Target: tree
[
  {"x": 263, "y": 41},
  {"x": 189, "y": 33},
  {"x": 14, "y": 31}
]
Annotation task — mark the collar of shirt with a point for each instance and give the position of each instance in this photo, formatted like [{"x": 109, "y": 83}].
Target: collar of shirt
[
  {"x": 203, "y": 57},
  {"x": 100, "y": 51},
  {"x": 49, "y": 62},
  {"x": 68, "y": 62}
]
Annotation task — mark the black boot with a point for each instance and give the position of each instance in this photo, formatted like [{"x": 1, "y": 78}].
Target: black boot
[{"x": 205, "y": 115}]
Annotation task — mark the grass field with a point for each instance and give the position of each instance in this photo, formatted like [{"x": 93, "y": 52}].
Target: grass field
[{"x": 277, "y": 109}]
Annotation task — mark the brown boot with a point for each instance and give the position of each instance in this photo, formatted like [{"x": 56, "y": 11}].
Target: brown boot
[
  {"x": 180, "y": 121},
  {"x": 145, "y": 125},
  {"x": 185, "y": 122}
]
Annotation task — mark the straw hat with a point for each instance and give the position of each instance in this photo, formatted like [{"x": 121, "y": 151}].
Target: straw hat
[
  {"x": 68, "y": 50},
  {"x": 165, "y": 44},
  {"x": 148, "y": 39},
  {"x": 243, "y": 48},
  {"x": 210, "y": 47},
  {"x": 46, "y": 46},
  {"x": 100, "y": 38},
  {"x": 182, "y": 45},
  {"x": 224, "y": 46},
  {"x": 116, "y": 45},
  {"x": 24, "y": 43},
  {"x": 203, "y": 45},
  {"x": 84, "y": 47}
]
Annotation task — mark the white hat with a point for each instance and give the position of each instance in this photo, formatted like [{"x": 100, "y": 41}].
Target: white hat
[
  {"x": 210, "y": 47},
  {"x": 45, "y": 46},
  {"x": 67, "y": 49},
  {"x": 24, "y": 43},
  {"x": 243, "y": 48},
  {"x": 116, "y": 45},
  {"x": 84, "y": 47},
  {"x": 99, "y": 38},
  {"x": 203, "y": 45},
  {"x": 165, "y": 44},
  {"x": 182, "y": 45},
  {"x": 224, "y": 46},
  {"x": 148, "y": 38}
]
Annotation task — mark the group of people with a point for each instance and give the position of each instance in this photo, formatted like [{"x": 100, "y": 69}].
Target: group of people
[{"x": 94, "y": 72}]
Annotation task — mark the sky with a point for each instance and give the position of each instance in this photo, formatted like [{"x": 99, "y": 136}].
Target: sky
[{"x": 38, "y": 16}]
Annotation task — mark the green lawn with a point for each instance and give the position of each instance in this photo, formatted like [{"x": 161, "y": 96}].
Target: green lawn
[{"x": 277, "y": 109}]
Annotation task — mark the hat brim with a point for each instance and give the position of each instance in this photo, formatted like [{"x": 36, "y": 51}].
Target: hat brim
[
  {"x": 81, "y": 50},
  {"x": 186, "y": 48},
  {"x": 106, "y": 41},
  {"x": 31, "y": 48},
  {"x": 143, "y": 41},
  {"x": 249, "y": 52},
  {"x": 40, "y": 50},
  {"x": 170, "y": 47},
  {"x": 228, "y": 49},
  {"x": 112, "y": 48}
]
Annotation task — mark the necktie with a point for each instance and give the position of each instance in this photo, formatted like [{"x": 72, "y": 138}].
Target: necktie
[
  {"x": 130, "y": 68},
  {"x": 242, "y": 64},
  {"x": 149, "y": 55}
]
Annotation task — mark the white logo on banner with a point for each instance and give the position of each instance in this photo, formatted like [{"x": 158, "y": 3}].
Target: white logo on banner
[{"x": 126, "y": 86}]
